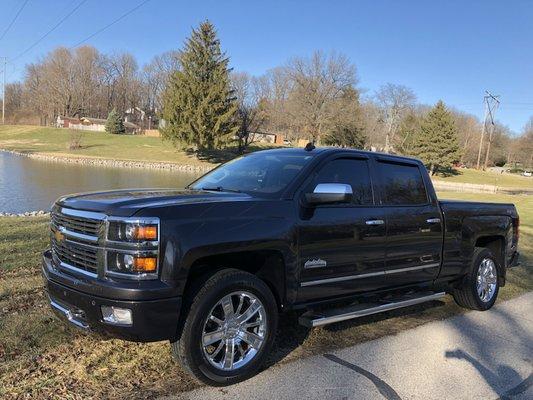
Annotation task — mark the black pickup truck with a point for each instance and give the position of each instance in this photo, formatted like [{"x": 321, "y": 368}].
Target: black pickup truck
[{"x": 332, "y": 234}]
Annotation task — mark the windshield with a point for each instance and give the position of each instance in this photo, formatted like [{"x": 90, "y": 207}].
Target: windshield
[{"x": 262, "y": 173}]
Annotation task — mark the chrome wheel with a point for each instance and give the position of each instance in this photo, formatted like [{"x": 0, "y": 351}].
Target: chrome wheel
[
  {"x": 486, "y": 280},
  {"x": 234, "y": 331}
]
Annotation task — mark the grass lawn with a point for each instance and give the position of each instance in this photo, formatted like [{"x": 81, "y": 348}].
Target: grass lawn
[
  {"x": 42, "y": 358},
  {"x": 55, "y": 141},
  {"x": 489, "y": 178}
]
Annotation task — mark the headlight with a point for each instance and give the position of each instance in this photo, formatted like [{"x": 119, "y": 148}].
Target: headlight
[
  {"x": 132, "y": 247},
  {"x": 131, "y": 265},
  {"x": 135, "y": 231}
]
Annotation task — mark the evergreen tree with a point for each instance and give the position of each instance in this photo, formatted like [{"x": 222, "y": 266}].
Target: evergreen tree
[
  {"x": 437, "y": 144},
  {"x": 198, "y": 105},
  {"x": 114, "y": 123},
  {"x": 408, "y": 134},
  {"x": 346, "y": 135},
  {"x": 347, "y": 128}
]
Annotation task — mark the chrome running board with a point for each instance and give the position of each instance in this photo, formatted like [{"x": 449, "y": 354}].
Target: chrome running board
[{"x": 312, "y": 319}]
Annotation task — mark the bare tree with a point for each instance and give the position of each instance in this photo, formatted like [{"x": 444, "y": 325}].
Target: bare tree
[
  {"x": 155, "y": 76},
  {"x": 395, "y": 101},
  {"x": 251, "y": 113},
  {"x": 316, "y": 85}
]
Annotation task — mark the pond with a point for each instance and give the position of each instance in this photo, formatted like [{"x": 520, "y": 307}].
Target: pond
[{"x": 27, "y": 184}]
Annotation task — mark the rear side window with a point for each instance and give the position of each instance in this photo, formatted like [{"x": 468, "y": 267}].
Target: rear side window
[
  {"x": 402, "y": 184},
  {"x": 349, "y": 171}
]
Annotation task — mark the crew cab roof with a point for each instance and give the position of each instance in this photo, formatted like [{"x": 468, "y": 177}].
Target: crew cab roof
[{"x": 332, "y": 150}]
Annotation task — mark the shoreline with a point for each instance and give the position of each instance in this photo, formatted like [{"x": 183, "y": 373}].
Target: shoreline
[
  {"x": 38, "y": 213},
  {"x": 106, "y": 162}
]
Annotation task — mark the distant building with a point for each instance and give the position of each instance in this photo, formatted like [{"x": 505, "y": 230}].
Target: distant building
[
  {"x": 263, "y": 137},
  {"x": 98, "y": 125},
  {"x": 135, "y": 115},
  {"x": 65, "y": 122}
]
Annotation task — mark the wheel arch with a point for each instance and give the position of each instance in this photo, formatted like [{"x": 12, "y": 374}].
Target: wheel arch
[
  {"x": 268, "y": 265},
  {"x": 496, "y": 244}
]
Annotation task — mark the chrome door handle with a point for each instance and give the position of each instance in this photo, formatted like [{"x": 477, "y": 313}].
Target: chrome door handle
[
  {"x": 433, "y": 221},
  {"x": 375, "y": 222}
]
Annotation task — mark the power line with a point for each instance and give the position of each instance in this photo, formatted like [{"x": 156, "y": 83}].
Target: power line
[
  {"x": 491, "y": 103},
  {"x": 14, "y": 19},
  {"x": 85, "y": 39},
  {"x": 112, "y": 23},
  {"x": 50, "y": 30}
]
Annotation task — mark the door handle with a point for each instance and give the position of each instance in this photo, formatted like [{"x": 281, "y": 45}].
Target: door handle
[
  {"x": 433, "y": 220},
  {"x": 375, "y": 222}
]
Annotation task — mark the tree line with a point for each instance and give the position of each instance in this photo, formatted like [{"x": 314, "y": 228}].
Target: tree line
[{"x": 199, "y": 102}]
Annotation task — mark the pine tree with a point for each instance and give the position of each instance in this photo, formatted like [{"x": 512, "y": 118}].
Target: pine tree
[
  {"x": 198, "y": 105},
  {"x": 346, "y": 135},
  {"x": 347, "y": 128},
  {"x": 437, "y": 144},
  {"x": 114, "y": 123}
]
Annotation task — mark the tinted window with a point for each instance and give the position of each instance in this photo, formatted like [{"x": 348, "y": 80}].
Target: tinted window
[
  {"x": 262, "y": 173},
  {"x": 402, "y": 184},
  {"x": 351, "y": 172}
]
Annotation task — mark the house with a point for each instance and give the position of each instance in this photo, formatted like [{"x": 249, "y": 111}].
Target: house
[
  {"x": 65, "y": 122},
  {"x": 98, "y": 125},
  {"x": 263, "y": 137},
  {"x": 135, "y": 115}
]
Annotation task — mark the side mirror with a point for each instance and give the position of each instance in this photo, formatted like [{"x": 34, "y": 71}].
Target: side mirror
[{"x": 329, "y": 193}]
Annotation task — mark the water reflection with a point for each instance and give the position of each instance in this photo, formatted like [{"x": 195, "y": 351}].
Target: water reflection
[{"x": 27, "y": 184}]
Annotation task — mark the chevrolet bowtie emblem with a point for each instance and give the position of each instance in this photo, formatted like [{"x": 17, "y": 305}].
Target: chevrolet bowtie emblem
[{"x": 59, "y": 236}]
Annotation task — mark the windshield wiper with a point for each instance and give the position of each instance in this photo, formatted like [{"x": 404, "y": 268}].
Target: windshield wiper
[{"x": 220, "y": 189}]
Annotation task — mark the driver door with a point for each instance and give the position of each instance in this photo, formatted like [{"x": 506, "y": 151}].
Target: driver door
[{"x": 342, "y": 246}]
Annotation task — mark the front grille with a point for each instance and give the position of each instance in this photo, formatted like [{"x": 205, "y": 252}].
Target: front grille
[
  {"x": 76, "y": 224},
  {"x": 70, "y": 250},
  {"x": 76, "y": 255}
]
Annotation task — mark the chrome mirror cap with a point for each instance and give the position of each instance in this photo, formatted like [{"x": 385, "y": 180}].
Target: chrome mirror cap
[
  {"x": 329, "y": 193},
  {"x": 333, "y": 188}
]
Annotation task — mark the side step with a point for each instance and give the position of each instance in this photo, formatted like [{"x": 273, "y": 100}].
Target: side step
[{"x": 318, "y": 318}]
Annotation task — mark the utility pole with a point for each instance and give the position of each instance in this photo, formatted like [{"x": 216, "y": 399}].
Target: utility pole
[
  {"x": 4, "y": 93},
  {"x": 491, "y": 103}
]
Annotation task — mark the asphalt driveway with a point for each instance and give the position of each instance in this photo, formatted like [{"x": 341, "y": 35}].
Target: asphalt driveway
[{"x": 477, "y": 355}]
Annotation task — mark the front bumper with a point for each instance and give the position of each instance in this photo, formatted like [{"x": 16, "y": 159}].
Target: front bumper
[{"x": 153, "y": 320}]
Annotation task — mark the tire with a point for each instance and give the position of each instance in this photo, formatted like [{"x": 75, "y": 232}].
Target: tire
[
  {"x": 468, "y": 295},
  {"x": 210, "y": 364}
]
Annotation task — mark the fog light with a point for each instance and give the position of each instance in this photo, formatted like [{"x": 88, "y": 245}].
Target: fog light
[{"x": 116, "y": 315}]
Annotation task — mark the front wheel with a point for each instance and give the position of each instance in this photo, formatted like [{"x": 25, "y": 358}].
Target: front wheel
[
  {"x": 229, "y": 329},
  {"x": 480, "y": 287}
]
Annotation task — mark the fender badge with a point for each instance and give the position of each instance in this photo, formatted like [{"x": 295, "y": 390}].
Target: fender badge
[{"x": 315, "y": 263}]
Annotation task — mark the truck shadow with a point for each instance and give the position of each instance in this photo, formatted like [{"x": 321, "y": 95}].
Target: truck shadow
[
  {"x": 483, "y": 353},
  {"x": 294, "y": 340}
]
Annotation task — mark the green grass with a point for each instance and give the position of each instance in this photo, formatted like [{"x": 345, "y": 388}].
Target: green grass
[
  {"x": 40, "y": 357},
  {"x": 489, "y": 178},
  {"x": 55, "y": 141}
]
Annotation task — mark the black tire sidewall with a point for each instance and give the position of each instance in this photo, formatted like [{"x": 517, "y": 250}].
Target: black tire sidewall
[
  {"x": 199, "y": 313},
  {"x": 481, "y": 255}
]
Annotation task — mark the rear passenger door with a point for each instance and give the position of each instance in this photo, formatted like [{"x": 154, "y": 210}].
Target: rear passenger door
[
  {"x": 341, "y": 246},
  {"x": 414, "y": 228}
]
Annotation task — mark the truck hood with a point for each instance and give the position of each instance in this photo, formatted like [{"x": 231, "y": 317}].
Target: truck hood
[{"x": 125, "y": 203}]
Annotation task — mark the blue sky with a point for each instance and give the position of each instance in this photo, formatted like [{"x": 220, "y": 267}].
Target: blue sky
[{"x": 449, "y": 50}]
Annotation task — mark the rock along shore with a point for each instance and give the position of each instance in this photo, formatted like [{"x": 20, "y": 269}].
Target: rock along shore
[
  {"x": 105, "y": 162},
  {"x": 39, "y": 213}
]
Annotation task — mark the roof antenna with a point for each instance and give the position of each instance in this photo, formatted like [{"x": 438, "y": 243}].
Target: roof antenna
[{"x": 309, "y": 146}]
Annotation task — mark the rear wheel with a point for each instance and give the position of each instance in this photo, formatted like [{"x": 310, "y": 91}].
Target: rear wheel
[
  {"x": 229, "y": 329},
  {"x": 480, "y": 287}
]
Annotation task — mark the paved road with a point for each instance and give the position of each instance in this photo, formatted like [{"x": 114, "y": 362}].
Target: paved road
[{"x": 473, "y": 356}]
